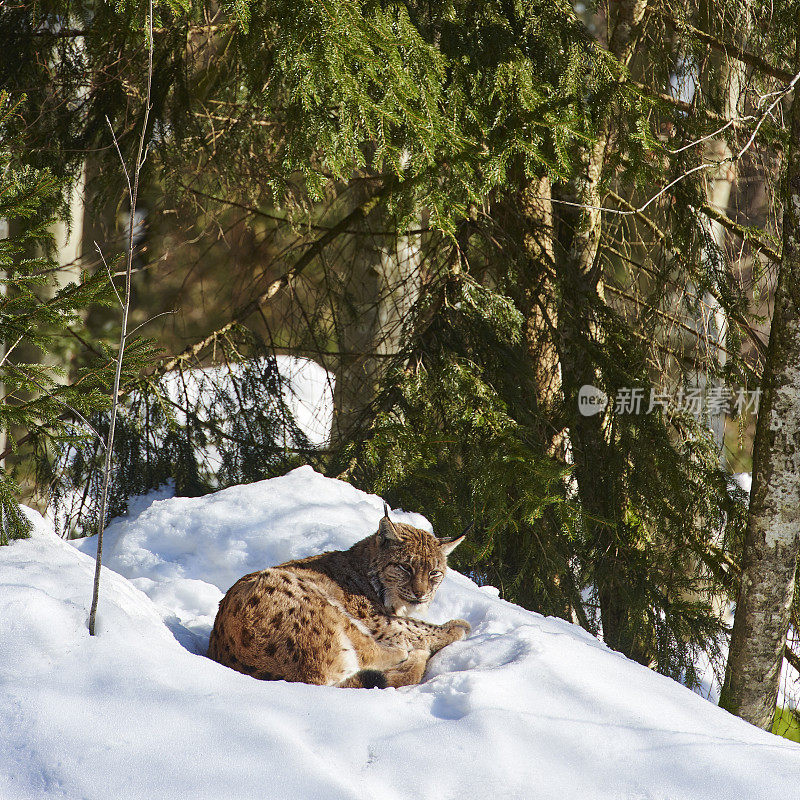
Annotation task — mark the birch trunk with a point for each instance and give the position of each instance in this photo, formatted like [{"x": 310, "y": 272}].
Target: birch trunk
[
  {"x": 773, "y": 527},
  {"x": 711, "y": 321},
  {"x": 69, "y": 239}
]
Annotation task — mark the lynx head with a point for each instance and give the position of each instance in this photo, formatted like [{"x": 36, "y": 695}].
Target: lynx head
[{"x": 408, "y": 565}]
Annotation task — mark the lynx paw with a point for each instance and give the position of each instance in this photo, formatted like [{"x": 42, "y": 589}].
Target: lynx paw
[{"x": 459, "y": 628}]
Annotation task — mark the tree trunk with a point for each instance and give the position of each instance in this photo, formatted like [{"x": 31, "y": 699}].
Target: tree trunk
[
  {"x": 379, "y": 289},
  {"x": 578, "y": 237},
  {"x": 773, "y": 525},
  {"x": 539, "y": 304},
  {"x": 722, "y": 82}
]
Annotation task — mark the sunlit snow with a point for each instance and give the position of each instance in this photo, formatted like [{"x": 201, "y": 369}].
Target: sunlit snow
[{"x": 525, "y": 708}]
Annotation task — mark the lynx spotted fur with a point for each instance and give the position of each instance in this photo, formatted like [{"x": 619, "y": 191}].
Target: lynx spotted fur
[{"x": 340, "y": 618}]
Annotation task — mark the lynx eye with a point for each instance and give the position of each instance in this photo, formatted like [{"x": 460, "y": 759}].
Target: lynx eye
[
  {"x": 435, "y": 573},
  {"x": 405, "y": 569}
]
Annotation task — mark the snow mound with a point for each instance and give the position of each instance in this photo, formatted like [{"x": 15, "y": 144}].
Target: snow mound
[{"x": 526, "y": 707}]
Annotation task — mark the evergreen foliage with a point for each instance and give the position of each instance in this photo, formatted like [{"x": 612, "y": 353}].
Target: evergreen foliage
[
  {"x": 471, "y": 117},
  {"x": 456, "y": 437},
  {"x": 194, "y": 430},
  {"x": 449, "y": 98},
  {"x": 458, "y": 434},
  {"x": 36, "y": 319}
]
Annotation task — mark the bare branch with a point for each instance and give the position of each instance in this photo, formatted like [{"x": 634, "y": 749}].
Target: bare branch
[
  {"x": 148, "y": 321},
  {"x": 662, "y": 236},
  {"x": 133, "y": 192},
  {"x": 730, "y": 123},
  {"x": 110, "y": 278},
  {"x": 792, "y": 658},
  {"x": 786, "y": 89},
  {"x": 10, "y": 351},
  {"x": 314, "y": 249}
]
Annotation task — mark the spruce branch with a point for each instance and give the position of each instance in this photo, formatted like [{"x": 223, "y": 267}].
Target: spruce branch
[
  {"x": 670, "y": 318},
  {"x": 729, "y": 49},
  {"x": 792, "y": 81},
  {"x": 681, "y": 105},
  {"x": 663, "y": 237},
  {"x": 314, "y": 249},
  {"x": 25, "y": 374},
  {"x": 758, "y": 244}
]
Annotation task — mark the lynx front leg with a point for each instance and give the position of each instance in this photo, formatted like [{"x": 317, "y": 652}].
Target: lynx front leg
[
  {"x": 376, "y": 654},
  {"x": 450, "y": 632},
  {"x": 416, "y": 634},
  {"x": 408, "y": 673}
]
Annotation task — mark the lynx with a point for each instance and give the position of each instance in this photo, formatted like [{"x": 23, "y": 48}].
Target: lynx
[{"x": 340, "y": 618}]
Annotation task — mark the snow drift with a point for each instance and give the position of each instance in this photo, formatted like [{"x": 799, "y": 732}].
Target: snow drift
[{"x": 526, "y": 707}]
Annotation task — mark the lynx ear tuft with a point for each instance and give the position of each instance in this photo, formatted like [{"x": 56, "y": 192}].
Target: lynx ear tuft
[
  {"x": 448, "y": 545},
  {"x": 386, "y": 528}
]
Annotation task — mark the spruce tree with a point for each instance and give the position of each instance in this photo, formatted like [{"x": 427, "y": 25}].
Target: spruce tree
[{"x": 38, "y": 402}]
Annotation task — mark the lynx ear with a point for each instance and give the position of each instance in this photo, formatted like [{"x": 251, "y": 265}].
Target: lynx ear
[
  {"x": 386, "y": 528},
  {"x": 448, "y": 545}
]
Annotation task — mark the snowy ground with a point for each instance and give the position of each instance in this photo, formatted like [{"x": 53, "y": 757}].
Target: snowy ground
[{"x": 526, "y": 708}]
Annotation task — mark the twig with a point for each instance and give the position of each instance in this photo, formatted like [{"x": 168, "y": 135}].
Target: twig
[
  {"x": 662, "y": 236},
  {"x": 660, "y": 313},
  {"x": 712, "y": 135},
  {"x": 793, "y": 79},
  {"x": 786, "y": 89},
  {"x": 133, "y": 192},
  {"x": 641, "y": 208},
  {"x": 9, "y": 351},
  {"x": 148, "y": 321},
  {"x": 105, "y": 264}
]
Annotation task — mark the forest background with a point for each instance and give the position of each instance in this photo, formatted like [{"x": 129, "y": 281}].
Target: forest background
[{"x": 464, "y": 213}]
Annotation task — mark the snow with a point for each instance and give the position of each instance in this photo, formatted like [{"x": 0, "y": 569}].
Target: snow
[
  {"x": 308, "y": 391},
  {"x": 213, "y": 393},
  {"x": 743, "y": 480},
  {"x": 527, "y": 707},
  {"x": 306, "y": 388}
]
